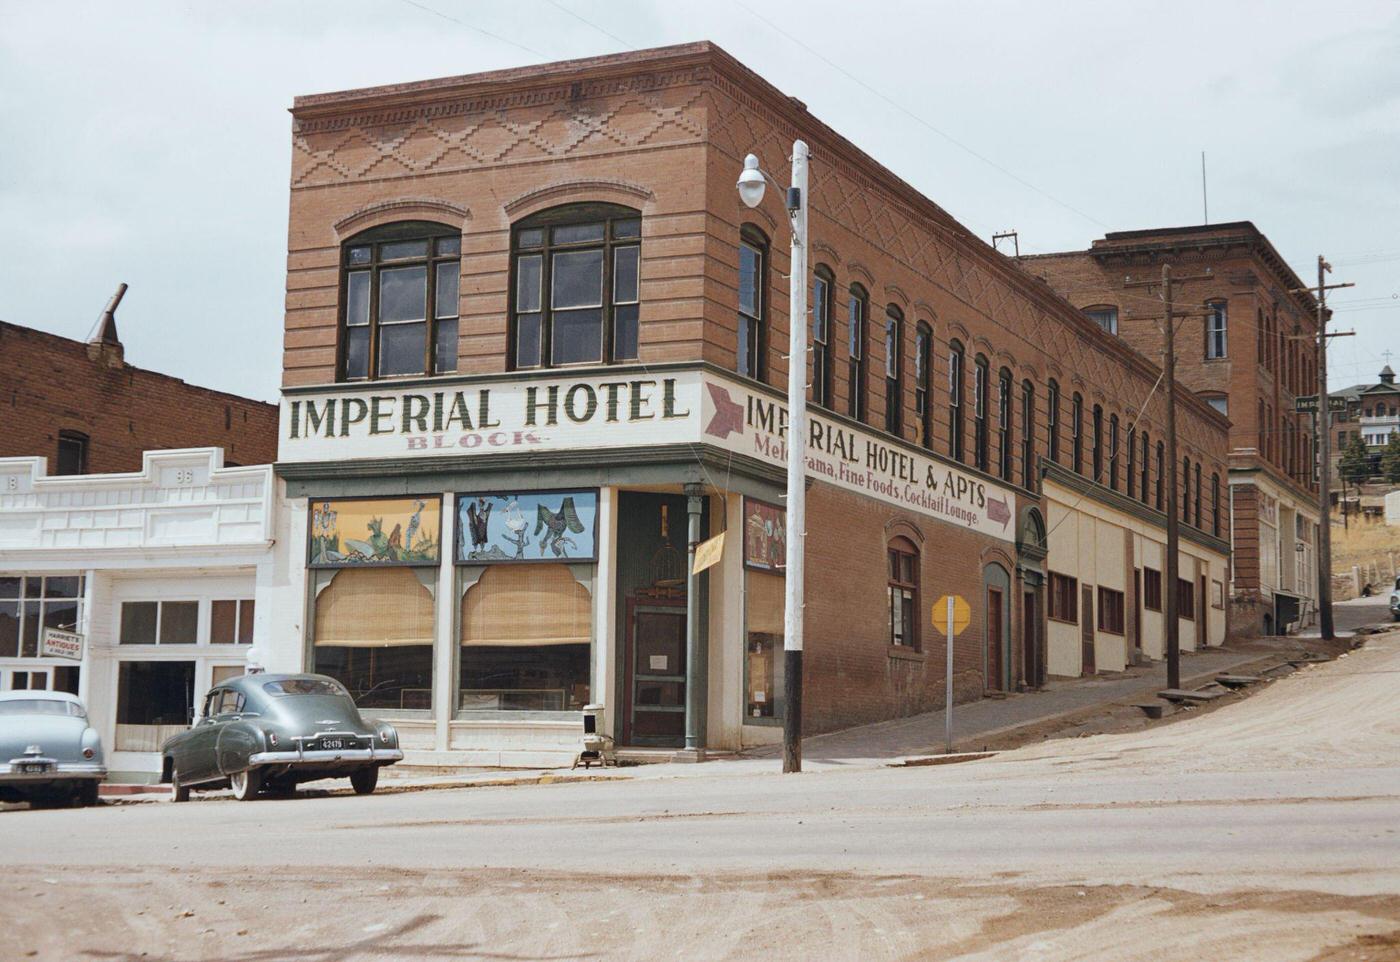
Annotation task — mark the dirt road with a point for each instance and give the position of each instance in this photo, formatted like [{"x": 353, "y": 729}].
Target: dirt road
[{"x": 1269, "y": 829}]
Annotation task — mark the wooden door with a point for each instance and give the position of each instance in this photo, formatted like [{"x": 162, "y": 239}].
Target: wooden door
[
  {"x": 995, "y": 663},
  {"x": 1030, "y": 655},
  {"x": 653, "y": 711},
  {"x": 1086, "y": 629}
]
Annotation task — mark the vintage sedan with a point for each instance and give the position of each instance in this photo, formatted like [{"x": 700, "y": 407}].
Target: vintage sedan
[
  {"x": 49, "y": 755},
  {"x": 263, "y": 732}
]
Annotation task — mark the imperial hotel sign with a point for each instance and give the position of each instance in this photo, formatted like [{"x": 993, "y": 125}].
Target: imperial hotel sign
[{"x": 686, "y": 408}]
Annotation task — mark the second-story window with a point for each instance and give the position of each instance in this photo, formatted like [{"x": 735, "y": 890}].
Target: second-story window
[
  {"x": 1027, "y": 434},
  {"x": 980, "y": 376},
  {"x": 576, "y": 286},
  {"x": 955, "y": 400},
  {"x": 1130, "y": 475},
  {"x": 1216, "y": 319},
  {"x": 1052, "y": 421},
  {"x": 856, "y": 351},
  {"x": 1113, "y": 451},
  {"x": 1146, "y": 467},
  {"x": 923, "y": 362},
  {"x": 1161, "y": 475},
  {"x": 399, "y": 300},
  {"x": 72, "y": 453},
  {"x": 821, "y": 338},
  {"x": 1005, "y": 429},
  {"x": 1097, "y": 448},
  {"x": 753, "y": 304},
  {"x": 894, "y": 385},
  {"x": 1076, "y": 431}
]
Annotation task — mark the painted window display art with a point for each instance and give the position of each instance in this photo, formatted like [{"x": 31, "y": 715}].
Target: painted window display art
[
  {"x": 536, "y": 526},
  {"x": 349, "y": 532},
  {"x": 765, "y": 536}
]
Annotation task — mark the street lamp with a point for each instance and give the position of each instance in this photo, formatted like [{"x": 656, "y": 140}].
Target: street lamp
[{"x": 751, "y": 188}]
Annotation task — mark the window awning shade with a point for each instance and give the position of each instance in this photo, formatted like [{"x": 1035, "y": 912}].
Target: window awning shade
[
  {"x": 374, "y": 608},
  {"x": 763, "y": 602},
  {"x": 527, "y": 606}
]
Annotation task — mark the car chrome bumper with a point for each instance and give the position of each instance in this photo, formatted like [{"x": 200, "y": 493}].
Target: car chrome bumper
[
  {"x": 298, "y": 757},
  {"x": 60, "y": 771}
]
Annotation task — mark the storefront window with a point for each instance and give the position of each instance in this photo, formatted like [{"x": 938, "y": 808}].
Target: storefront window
[
  {"x": 30, "y": 604},
  {"x": 526, "y": 640},
  {"x": 374, "y": 634},
  {"x": 763, "y": 665},
  {"x": 155, "y": 700}
]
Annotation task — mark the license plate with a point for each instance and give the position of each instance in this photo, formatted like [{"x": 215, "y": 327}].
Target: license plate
[
  {"x": 333, "y": 744},
  {"x": 33, "y": 768}
]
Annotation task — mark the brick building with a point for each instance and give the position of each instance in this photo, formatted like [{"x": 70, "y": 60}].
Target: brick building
[
  {"x": 534, "y": 347},
  {"x": 86, "y": 410},
  {"x": 1249, "y": 356}
]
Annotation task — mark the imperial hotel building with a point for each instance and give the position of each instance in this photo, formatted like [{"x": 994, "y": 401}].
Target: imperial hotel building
[{"x": 534, "y": 351}]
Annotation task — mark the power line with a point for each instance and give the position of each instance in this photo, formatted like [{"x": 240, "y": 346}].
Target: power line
[
  {"x": 584, "y": 20},
  {"x": 916, "y": 118},
  {"x": 472, "y": 27}
]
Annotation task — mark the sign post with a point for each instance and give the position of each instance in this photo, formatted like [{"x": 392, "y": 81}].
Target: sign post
[{"x": 956, "y": 614}]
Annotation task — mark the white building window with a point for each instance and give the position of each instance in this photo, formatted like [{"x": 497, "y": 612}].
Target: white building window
[
  {"x": 1105, "y": 316},
  {"x": 1216, "y": 340}
]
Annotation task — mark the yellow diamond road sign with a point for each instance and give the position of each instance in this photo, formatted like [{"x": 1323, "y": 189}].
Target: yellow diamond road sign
[{"x": 962, "y": 614}]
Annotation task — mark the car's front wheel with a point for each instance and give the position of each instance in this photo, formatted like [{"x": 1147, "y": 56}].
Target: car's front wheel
[
  {"x": 179, "y": 791},
  {"x": 246, "y": 784},
  {"x": 364, "y": 780}
]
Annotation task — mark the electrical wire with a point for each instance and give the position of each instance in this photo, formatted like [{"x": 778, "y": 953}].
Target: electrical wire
[{"x": 473, "y": 28}]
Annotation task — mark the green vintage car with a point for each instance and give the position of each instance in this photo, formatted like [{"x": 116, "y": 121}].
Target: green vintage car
[{"x": 268, "y": 733}]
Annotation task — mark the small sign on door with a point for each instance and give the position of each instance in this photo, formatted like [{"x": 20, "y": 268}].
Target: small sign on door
[{"x": 658, "y": 662}]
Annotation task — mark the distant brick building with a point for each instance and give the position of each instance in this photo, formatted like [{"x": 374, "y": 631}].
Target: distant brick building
[
  {"x": 1250, "y": 356},
  {"x": 87, "y": 411},
  {"x": 533, "y": 335}
]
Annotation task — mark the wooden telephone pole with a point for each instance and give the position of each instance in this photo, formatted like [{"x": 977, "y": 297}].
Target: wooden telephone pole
[
  {"x": 1170, "y": 606},
  {"x": 1324, "y": 452}
]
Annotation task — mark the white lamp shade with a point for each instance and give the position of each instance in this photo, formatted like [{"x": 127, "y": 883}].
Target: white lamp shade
[{"x": 751, "y": 182}]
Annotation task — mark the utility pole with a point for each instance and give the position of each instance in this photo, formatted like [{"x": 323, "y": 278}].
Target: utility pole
[
  {"x": 1324, "y": 453},
  {"x": 1171, "y": 575}
]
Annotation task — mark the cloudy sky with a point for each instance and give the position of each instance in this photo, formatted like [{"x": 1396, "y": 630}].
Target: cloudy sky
[{"x": 148, "y": 142}]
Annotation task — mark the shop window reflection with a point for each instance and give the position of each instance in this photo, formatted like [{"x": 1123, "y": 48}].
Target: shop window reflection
[{"x": 374, "y": 634}]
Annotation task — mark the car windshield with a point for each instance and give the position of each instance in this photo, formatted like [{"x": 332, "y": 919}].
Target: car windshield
[
  {"x": 303, "y": 686},
  {"x": 42, "y": 706}
]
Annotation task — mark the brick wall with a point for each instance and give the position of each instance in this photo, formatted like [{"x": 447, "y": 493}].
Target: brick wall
[{"x": 54, "y": 386}]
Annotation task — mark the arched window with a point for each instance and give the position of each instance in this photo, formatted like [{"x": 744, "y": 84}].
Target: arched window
[
  {"x": 980, "y": 374},
  {"x": 1185, "y": 490},
  {"x": 1052, "y": 420},
  {"x": 856, "y": 346},
  {"x": 904, "y": 593},
  {"x": 1097, "y": 448},
  {"x": 923, "y": 374},
  {"x": 1161, "y": 475},
  {"x": 1113, "y": 451},
  {"x": 1130, "y": 475},
  {"x": 576, "y": 286},
  {"x": 1076, "y": 431},
  {"x": 1215, "y": 503},
  {"x": 1217, "y": 340},
  {"x": 956, "y": 361},
  {"x": 1196, "y": 498},
  {"x": 399, "y": 301},
  {"x": 750, "y": 357},
  {"x": 821, "y": 337},
  {"x": 894, "y": 386},
  {"x": 1028, "y": 435},
  {"x": 1146, "y": 467},
  {"x": 1005, "y": 427}
]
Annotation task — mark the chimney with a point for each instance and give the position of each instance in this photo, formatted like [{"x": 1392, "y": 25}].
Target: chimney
[{"x": 104, "y": 346}]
